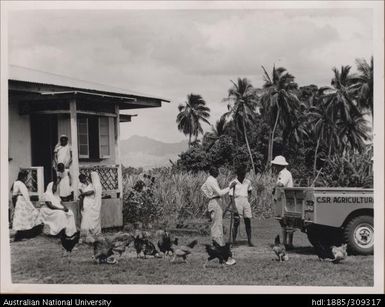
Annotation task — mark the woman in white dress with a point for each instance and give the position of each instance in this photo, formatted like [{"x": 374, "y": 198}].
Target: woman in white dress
[
  {"x": 92, "y": 203},
  {"x": 26, "y": 218},
  {"x": 56, "y": 216}
]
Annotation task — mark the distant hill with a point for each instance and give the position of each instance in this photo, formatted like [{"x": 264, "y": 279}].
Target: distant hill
[{"x": 142, "y": 151}]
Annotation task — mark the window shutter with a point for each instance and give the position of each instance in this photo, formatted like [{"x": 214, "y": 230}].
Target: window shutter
[
  {"x": 104, "y": 137},
  {"x": 83, "y": 137}
]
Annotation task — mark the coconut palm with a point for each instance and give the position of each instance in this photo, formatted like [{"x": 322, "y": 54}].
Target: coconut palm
[
  {"x": 278, "y": 101},
  {"x": 341, "y": 103},
  {"x": 365, "y": 84},
  {"x": 190, "y": 116},
  {"x": 241, "y": 107},
  {"x": 353, "y": 133},
  {"x": 323, "y": 127}
]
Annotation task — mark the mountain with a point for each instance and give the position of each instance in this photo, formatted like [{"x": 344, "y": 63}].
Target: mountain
[{"x": 142, "y": 151}]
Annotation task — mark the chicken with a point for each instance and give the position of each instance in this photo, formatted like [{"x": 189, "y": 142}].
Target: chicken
[
  {"x": 103, "y": 249},
  {"x": 280, "y": 250},
  {"x": 69, "y": 242},
  {"x": 184, "y": 250},
  {"x": 165, "y": 244},
  {"x": 139, "y": 246},
  {"x": 323, "y": 251},
  {"x": 223, "y": 253},
  {"x": 339, "y": 253},
  {"x": 149, "y": 249}
]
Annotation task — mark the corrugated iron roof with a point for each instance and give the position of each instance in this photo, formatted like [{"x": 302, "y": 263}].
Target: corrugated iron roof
[{"x": 18, "y": 73}]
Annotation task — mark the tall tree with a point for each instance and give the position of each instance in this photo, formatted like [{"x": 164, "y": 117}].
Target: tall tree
[
  {"x": 340, "y": 100},
  {"x": 242, "y": 106},
  {"x": 190, "y": 116},
  {"x": 323, "y": 128},
  {"x": 278, "y": 102},
  {"x": 365, "y": 84}
]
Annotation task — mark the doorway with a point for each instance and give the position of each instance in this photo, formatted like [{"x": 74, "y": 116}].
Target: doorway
[{"x": 44, "y": 137}]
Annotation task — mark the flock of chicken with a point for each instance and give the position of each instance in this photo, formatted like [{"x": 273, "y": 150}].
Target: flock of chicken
[
  {"x": 333, "y": 254},
  {"x": 105, "y": 248}
]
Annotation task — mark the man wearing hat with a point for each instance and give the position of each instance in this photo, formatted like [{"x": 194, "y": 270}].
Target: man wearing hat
[
  {"x": 285, "y": 180},
  {"x": 63, "y": 152}
]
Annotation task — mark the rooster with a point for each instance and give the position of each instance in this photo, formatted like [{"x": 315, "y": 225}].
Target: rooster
[
  {"x": 280, "y": 250},
  {"x": 223, "y": 253},
  {"x": 339, "y": 253},
  {"x": 149, "y": 249},
  {"x": 184, "y": 250},
  {"x": 103, "y": 249},
  {"x": 69, "y": 242},
  {"x": 330, "y": 253},
  {"x": 165, "y": 244},
  {"x": 139, "y": 246}
]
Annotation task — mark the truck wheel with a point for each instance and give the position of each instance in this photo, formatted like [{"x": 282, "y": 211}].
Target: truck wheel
[{"x": 359, "y": 235}]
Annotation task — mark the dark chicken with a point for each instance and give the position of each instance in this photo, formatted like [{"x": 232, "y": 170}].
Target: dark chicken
[
  {"x": 165, "y": 244},
  {"x": 223, "y": 253}
]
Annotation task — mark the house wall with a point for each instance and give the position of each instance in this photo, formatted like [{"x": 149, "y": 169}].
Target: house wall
[{"x": 19, "y": 141}]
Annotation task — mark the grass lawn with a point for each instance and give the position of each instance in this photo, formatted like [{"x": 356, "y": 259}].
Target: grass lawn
[{"x": 39, "y": 260}]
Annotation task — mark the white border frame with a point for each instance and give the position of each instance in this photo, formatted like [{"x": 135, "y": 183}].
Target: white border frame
[{"x": 378, "y": 45}]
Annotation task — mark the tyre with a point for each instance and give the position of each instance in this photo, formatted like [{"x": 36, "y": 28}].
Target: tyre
[{"x": 359, "y": 235}]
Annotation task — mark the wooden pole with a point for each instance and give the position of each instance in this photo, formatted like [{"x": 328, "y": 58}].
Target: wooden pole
[
  {"x": 117, "y": 151},
  {"x": 75, "y": 148}
]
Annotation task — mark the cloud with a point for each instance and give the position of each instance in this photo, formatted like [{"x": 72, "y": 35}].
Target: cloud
[{"x": 172, "y": 53}]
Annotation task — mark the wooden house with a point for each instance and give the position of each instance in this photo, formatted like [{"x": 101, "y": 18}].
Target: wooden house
[{"x": 43, "y": 106}]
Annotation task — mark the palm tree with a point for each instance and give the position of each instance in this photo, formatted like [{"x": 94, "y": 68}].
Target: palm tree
[
  {"x": 323, "y": 127},
  {"x": 340, "y": 99},
  {"x": 242, "y": 108},
  {"x": 353, "y": 132},
  {"x": 190, "y": 116},
  {"x": 278, "y": 101},
  {"x": 220, "y": 128},
  {"x": 365, "y": 84}
]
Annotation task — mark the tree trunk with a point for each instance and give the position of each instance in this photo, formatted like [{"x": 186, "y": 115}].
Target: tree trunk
[
  {"x": 247, "y": 144},
  {"x": 315, "y": 157},
  {"x": 189, "y": 140},
  {"x": 270, "y": 158}
]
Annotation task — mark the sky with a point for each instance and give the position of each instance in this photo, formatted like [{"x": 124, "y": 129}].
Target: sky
[{"x": 172, "y": 53}]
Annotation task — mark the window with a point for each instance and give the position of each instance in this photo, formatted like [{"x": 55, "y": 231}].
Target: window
[
  {"x": 94, "y": 137},
  {"x": 83, "y": 139},
  {"x": 104, "y": 137}
]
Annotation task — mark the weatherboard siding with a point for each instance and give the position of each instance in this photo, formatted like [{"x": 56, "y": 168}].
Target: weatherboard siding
[{"x": 19, "y": 142}]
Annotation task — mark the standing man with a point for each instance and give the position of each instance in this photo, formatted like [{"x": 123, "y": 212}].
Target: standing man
[
  {"x": 241, "y": 195},
  {"x": 285, "y": 180},
  {"x": 63, "y": 152},
  {"x": 213, "y": 192}
]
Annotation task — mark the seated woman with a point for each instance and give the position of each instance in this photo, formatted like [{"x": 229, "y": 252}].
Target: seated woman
[
  {"x": 55, "y": 215},
  {"x": 26, "y": 218},
  {"x": 91, "y": 195}
]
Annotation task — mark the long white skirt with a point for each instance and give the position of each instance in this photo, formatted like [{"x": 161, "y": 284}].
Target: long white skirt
[
  {"x": 57, "y": 220},
  {"x": 26, "y": 216},
  {"x": 91, "y": 218}
]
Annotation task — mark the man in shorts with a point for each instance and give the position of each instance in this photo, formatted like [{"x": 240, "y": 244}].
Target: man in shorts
[{"x": 240, "y": 195}]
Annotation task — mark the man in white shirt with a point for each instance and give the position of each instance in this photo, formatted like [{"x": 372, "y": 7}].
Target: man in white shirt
[
  {"x": 213, "y": 192},
  {"x": 241, "y": 193},
  {"x": 284, "y": 179}
]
